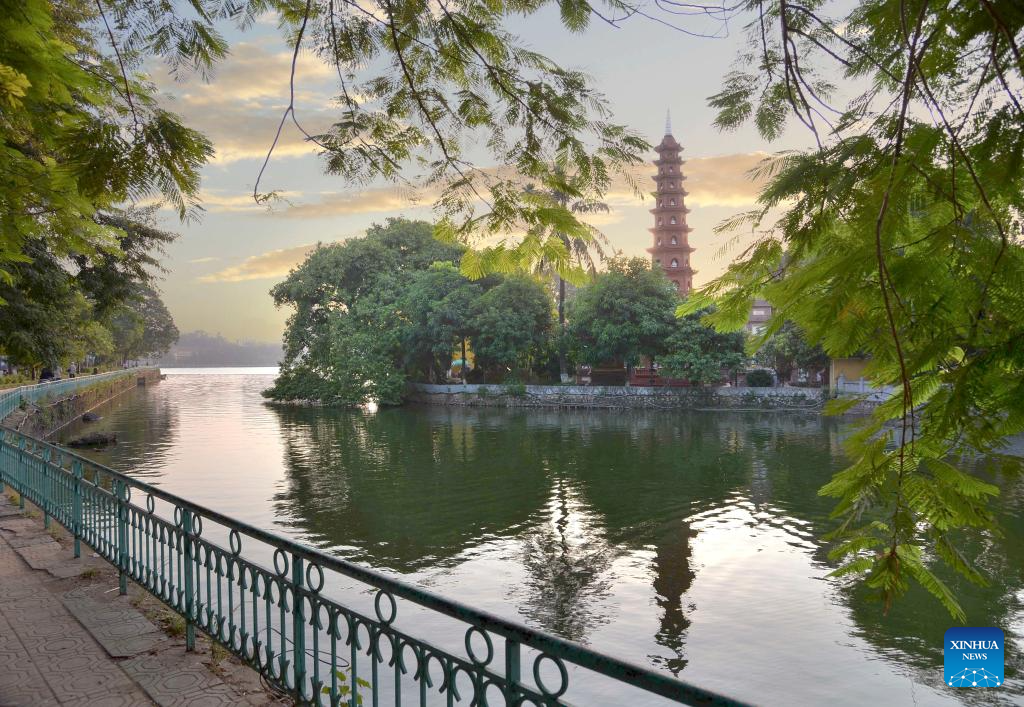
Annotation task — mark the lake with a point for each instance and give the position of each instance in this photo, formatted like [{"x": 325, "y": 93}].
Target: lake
[{"x": 690, "y": 542}]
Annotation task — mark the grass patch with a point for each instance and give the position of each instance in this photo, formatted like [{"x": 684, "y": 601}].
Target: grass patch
[
  {"x": 218, "y": 652},
  {"x": 89, "y": 573},
  {"x": 173, "y": 624}
]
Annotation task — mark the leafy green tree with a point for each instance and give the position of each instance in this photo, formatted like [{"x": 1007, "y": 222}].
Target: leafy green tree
[
  {"x": 787, "y": 350},
  {"x": 46, "y": 319},
  {"x": 343, "y": 341},
  {"x": 583, "y": 256},
  {"x": 624, "y": 314},
  {"x": 899, "y": 235},
  {"x": 142, "y": 326},
  {"x": 115, "y": 277},
  {"x": 438, "y": 308},
  {"x": 697, "y": 353},
  {"x": 511, "y": 322},
  {"x": 81, "y": 136}
]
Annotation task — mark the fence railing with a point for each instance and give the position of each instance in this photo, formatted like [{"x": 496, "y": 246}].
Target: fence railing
[
  {"x": 12, "y": 398},
  {"x": 865, "y": 389},
  {"x": 265, "y": 598}
]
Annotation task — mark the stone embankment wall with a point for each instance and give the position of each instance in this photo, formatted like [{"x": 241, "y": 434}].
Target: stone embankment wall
[
  {"x": 48, "y": 415},
  {"x": 640, "y": 398}
]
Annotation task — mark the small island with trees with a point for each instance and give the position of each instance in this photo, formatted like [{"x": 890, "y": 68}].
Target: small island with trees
[{"x": 372, "y": 314}]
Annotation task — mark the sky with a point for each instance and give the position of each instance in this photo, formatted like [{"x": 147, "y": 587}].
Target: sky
[{"x": 222, "y": 266}]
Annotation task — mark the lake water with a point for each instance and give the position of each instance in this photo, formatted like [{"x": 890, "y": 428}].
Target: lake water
[{"x": 689, "y": 542}]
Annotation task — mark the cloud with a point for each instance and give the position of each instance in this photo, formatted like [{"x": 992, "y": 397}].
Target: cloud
[
  {"x": 207, "y": 259},
  {"x": 724, "y": 180},
  {"x": 720, "y": 180},
  {"x": 274, "y": 263},
  {"x": 717, "y": 180},
  {"x": 365, "y": 201},
  {"x": 240, "y": 108}
]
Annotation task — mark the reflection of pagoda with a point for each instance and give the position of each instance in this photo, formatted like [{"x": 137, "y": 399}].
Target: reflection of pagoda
[{"x": 671, "y": 249}]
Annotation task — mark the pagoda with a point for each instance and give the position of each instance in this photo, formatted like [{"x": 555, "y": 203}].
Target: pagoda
[{"x": 671, "y": 249}]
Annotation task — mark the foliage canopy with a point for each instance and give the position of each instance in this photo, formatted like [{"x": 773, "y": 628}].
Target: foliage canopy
[{"x": 898, "y": 236}]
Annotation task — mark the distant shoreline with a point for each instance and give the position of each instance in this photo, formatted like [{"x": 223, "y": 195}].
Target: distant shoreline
[{"x": 234, "y": 369}]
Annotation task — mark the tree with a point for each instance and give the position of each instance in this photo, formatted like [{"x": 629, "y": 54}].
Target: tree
[
  {"x": 699, "y": 354},
  {"x": 80, "y": 136},
  {"x": 898, "y": 234},
  {"x": 511, "y": 322},
  {"x": 46, "y": 319},
  {"x": 143, "y": 326},
  {"x": 787, "y": 350},
  {"x": 438, "y": 307},
  {"x": 343, "y": 342},
  {"x": 114, "y": 277},
  {"x": 624, "y": 314},
  {"x": 583, "y": 255}
]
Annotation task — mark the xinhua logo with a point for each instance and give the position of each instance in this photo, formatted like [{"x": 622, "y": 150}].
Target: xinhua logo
[{"x": 973, "y": 657}]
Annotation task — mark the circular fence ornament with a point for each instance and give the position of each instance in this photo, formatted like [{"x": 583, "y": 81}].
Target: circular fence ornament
[
  {"x": 235, "y": 542},
  {"x": 150, "y": 504},
  {"x": 377, "y": 609},
  {"x": 312, "y": 586},
  {"x": 480, "y": 663},
  {"x": 563, "y": 675},
  {"x": 280, "y": 562}
]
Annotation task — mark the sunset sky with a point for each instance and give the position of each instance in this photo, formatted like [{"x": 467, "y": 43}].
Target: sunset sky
[{"x": 222, "y": 267}]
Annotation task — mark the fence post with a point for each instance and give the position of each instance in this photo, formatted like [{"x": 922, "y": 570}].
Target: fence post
[
  {"x": 76, "y": 508},
  {"x": 299, "y": 627},
  {"x": 190, "y": 599},
  {"x": 122, "y": 536},
  {"x": 45, "y": 489},
  {"x": 512, "y": 676},
  {"x": 22, "y": 473}
]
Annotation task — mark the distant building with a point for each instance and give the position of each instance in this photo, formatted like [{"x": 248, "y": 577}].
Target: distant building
[
  {"x": 760, "y": 313},
  {"x": 671, "y": 249}
]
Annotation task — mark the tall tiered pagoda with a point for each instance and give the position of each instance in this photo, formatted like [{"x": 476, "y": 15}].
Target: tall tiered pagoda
[{"x": 671, "y": 249}]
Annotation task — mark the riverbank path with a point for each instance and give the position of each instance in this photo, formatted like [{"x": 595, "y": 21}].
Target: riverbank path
[{"x": 68, "y": 638}]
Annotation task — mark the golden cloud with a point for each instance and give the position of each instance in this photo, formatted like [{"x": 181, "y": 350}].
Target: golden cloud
[
  {"x": 240, "y": 108},
  {"x": 274, "y": 263},
  {"x": 721, "y": 180}
]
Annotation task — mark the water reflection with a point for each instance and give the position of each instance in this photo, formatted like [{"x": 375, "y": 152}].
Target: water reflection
[{"x": 691, "y": 541}]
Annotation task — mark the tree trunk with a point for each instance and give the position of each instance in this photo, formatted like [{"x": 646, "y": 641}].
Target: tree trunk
[
  {"x": 464, "y": 361},
  {"x": 563, "y": 363}
]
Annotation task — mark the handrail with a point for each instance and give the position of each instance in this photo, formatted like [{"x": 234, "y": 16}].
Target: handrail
[
  {"x": 11, "y": 398},
  {"x": 169, "y": 558}
]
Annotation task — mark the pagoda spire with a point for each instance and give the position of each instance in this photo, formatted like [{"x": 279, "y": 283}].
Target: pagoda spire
[{"x": 670, "y": 250}]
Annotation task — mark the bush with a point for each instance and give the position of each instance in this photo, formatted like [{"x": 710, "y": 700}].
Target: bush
[
  {"x": 515, "y": 389},
  {"x": 760, "y": 378}
]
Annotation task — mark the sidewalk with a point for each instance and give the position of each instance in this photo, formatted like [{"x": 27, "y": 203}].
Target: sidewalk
[{"x": 67, "y": 637}]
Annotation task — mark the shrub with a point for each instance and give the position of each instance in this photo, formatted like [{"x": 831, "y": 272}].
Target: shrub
[
  {"x": 516, "y": 390},
  {"x": 759, "y": 378}
]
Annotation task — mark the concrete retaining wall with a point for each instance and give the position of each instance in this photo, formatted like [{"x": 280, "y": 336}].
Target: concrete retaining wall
[
  {"x": 632, "y": 397},
  {"x": 49, "y": 414}
]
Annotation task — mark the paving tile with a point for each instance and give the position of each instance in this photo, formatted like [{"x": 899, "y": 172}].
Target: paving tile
[
  {"x": 20, "y": 540},
  {"x": 116, "y": 625},
  {"x": 174, "y": 678},
  {"x": 84, "y": 646}
]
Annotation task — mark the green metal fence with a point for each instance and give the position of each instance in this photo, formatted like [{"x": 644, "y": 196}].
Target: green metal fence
[
  {"x": 265, "y": 599},
  {"x": 12, "y": 398}
]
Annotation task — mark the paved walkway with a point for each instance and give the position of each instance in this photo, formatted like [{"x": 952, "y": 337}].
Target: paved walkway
[{"x": 67, "y": 637}]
